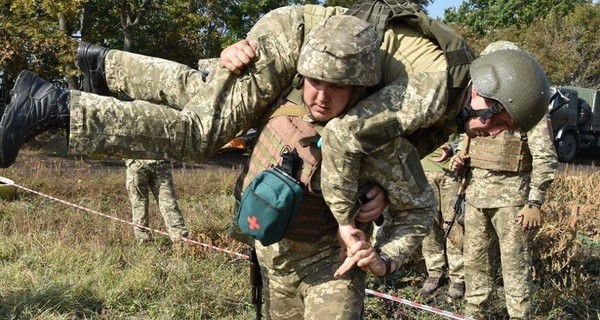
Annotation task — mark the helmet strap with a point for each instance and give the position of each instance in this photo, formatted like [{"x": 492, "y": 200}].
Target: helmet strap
[
  {"x": 297, "y": 81},
  {"x": 483, "y": 114}
]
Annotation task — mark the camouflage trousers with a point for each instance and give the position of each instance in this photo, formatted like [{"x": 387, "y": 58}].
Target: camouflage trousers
[
  {"x": 412, "y": 204},
  {"x": 483, "y": 227},
  {"x": 177, "y": 112},
  {"x": 144, "y": 176},
  {"x": 439, "y": 253},
  {"x": 298, "y": 281}
]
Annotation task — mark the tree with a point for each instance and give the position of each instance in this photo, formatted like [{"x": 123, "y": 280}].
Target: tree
[
  {"x": 37, "y": 35},
  {"x": 567, "y": 46},
  {"x": 483, "y": 16}
]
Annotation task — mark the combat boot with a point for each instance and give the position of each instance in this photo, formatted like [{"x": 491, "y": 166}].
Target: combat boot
[
  {"x": 456, "y": 290},
  {"x": 35, "y": 107},
  {"x": 430, "y": 285},
  {"x": 90, "y": 60}
]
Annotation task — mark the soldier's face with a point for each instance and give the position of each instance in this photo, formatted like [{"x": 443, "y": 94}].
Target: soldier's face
[
  {"x": 492, "y": 126},
  {"x": 325, "y": 100}
]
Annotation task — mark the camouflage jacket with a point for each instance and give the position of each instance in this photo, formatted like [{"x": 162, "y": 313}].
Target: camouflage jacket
[{"x": 412, "y": 97}]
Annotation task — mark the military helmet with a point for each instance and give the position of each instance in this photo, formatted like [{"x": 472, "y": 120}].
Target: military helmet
[
  {"x": 342, "y": 49},
  {"x": 516, "y": 80}
]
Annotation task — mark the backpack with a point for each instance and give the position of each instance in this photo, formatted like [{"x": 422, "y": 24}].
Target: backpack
[{"x": 458, "y": 54}]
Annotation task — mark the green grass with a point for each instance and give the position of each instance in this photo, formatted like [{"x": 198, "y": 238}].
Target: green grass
[{"x": 57, "y": 262}]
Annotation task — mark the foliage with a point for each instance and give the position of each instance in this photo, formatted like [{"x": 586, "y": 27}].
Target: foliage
[
  {"x": 33, "y": 39},
  {"x": 487, "y": 15},
  {"x": 42, "y": 35},
  {"x": 566, "y": 46}
]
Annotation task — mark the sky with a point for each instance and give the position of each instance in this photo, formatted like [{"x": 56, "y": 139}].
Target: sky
[{"x": 436, "y": 10}]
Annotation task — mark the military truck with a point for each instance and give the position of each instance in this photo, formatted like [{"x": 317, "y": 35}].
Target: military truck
[{"x": 575, "y": 116}]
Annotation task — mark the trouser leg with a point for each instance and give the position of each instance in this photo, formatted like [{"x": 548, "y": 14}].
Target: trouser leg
[
  {"x": 478, "y": 270},
  {"x": 137, "y": 186},
  {"x": 163, "y": 189},
  {"x": 209, "y": 119},
  {"x": 454, "y": 253},
  {"x": 104, "y": 126},
  {"x": 152, "y": 79},
  {"x": 433, "y": 244},
  {"x": 516, "y": 263}
]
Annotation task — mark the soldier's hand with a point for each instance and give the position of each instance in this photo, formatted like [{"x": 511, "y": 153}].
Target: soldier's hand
[
  {"x": 363, "y": 255},
  {"x": 351, "y": 240},
  {"x": 446, "y": 154},
  {"x": 458, "y": 162},
  {"x": 372, "y": 209},
  {"x": 529, "y": 218},
  {"x": 237, "y": 56}
]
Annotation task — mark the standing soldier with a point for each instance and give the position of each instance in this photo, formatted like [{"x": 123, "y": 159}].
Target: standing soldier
[
  {"x": 156, "y": 176},
  {"x": 439, "y": 252},
  {"x": 339, "y": 60},
  {"x": 509, "y": 178}
]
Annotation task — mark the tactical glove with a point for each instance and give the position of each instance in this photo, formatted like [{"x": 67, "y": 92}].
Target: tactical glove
[{"x": 530, "y": 217}]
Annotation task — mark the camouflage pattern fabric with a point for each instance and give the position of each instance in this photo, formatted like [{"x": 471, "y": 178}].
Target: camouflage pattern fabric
[
  {"x": 412, "y": 203},
  {"x": 436, "y": 250},
  {"x": 299, "y": 284},
  {"x": 177, "y": 113},
  {"x": 414, "y": 76},
  {"x": 513, "y": 188},
  {"x": 348, "y": 58},
  {"x": 482, "y": 226},
  {"x": 144, "y": 176},
  {"x": 494, "y": 198}
]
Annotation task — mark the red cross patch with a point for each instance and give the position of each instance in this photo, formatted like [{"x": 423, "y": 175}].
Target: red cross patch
[{"x": 253, "y": 221}]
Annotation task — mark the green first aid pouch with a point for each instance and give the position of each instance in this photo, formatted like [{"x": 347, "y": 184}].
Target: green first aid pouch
[{"x": 269, "y": 204}]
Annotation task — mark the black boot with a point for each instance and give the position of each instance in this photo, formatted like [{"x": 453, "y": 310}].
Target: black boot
[
  {"x": 90, "y": 60},
  {"x": 35, "y": 107}
]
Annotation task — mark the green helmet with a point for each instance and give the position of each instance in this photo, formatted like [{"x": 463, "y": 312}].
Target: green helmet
[
  {"x": 343, "y": 50},
  {"x": 516, "y": 80}
]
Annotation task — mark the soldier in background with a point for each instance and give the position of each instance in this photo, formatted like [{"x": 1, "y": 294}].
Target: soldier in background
[
  {"x": 441, "y": 254},
  {"x": 509, "y": 179},
  {"x": 156, "y": 176}
]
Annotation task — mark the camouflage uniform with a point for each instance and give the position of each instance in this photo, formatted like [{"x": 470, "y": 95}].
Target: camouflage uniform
[
  {"x": 156, "y": 176},
  {"x": 177, "y": 113},
  {"x": 205, "y": 114},
  {"x": 299, "y": 275},
  {"x": 413, "y": 96},
  {"x": 413, "y": 84},
  {"x": 438, "y": 252},
  {"x": 494, "y": 198}
]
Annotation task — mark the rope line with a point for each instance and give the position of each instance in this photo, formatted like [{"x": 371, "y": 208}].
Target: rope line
[
  {"x": 413, "y": 304},
  {"x": 233, "y": 253},
  {"x": 417, "y": 305}
]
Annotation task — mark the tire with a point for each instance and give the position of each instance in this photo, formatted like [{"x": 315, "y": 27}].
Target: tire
[{"x": 566, "y": 147}]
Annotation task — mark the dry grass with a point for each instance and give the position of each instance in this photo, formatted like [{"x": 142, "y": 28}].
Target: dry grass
[{"x": 63, "y": 263}]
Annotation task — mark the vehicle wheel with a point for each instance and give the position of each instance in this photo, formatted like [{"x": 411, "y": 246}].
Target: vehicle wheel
[{"x": 566, "y": 147}]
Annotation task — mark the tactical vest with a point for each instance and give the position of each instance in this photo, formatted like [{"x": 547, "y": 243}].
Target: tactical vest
[
  {"x": 286, "y": 130},
  {"x": 456, "y": 51},
  {"x": 506, "y": 152}
]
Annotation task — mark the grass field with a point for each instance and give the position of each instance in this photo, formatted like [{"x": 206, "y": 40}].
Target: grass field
[{"x": 60, "y": 262}]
